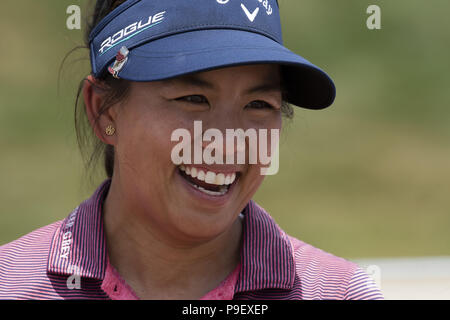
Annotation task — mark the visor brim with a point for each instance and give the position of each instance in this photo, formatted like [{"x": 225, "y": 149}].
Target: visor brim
[{"x": 307, "y": 86}]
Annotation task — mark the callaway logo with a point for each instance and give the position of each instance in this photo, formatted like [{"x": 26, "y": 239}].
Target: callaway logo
[
  {"x": 250, "y": 16},
  {"x": 266, "y": 6},
  {"x": 131, "y": 31}
]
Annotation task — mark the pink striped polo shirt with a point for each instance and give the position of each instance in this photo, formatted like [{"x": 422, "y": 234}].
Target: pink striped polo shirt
[{"x": 68, "y": 260}]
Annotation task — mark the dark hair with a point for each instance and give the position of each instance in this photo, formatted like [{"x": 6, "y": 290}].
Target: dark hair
[{"x": 114, "y": 91}]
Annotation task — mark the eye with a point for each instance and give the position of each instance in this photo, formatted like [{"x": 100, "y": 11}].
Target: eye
[
  {"x": 258, "y": 104},
  {"x": 195, "y": 99}
]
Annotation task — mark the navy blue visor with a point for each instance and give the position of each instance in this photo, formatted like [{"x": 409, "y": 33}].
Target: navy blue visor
[{"x": 152, "y": 40}]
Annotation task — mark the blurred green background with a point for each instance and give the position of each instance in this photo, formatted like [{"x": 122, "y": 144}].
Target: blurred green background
[{"x": 368, "y": 177}]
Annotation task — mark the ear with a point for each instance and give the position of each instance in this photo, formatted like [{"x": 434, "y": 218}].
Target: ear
[{"x": 93, "y": 100}]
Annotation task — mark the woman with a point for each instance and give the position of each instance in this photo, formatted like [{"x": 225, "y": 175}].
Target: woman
[{"x": 161, "y": 229}]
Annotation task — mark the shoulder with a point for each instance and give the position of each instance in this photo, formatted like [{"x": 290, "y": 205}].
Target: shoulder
[
  {"x": 35, "y": 241},
  {"x": 293, "y": 269},
  {"x": 323, "y": 275},
  {"x": 23, "y": 262}
]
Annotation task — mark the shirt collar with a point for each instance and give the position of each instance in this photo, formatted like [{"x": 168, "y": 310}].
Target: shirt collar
[
  {"x": 79, "y": 246},
  {"x": 266, "y": 256}
]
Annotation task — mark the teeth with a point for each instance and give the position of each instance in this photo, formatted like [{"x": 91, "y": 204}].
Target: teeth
[
  {"x": 201, "y": 175},
  {"x": 210, "y": 177},
  {"x": 219, "y": 179},
  {"x": 222, "y": 191},
  {"x": 233, "y": 177}
]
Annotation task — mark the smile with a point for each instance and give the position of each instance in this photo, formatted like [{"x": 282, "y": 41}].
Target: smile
[{"x": 208, "y": 182}]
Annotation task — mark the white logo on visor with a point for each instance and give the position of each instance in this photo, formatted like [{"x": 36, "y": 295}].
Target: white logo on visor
[
  {"x": 131, "y": 31},
  {"x": 250, "y": 16},
  {"x": 223, "y": 1}
]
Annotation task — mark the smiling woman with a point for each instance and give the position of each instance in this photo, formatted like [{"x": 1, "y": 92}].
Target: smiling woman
[{"x": 156, "y": 229}]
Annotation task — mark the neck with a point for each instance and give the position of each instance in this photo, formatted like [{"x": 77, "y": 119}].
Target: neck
[{"x": 159, "y": 266}]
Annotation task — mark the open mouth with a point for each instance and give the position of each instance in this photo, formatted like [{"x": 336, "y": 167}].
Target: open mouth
[{"x": 209, "y": 182}]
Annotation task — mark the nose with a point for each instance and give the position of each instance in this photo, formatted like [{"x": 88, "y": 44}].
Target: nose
[
  {"x": 225, "y": 136},
  {"x": 215, "y": 143}
]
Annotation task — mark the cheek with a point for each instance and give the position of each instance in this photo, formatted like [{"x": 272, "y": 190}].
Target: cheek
[
  {"x": 144, "y": 144},
  {"x": 271, "y": 120},
  {"x": 251, "y": 181},
  {"x": 268, "y": 133}
]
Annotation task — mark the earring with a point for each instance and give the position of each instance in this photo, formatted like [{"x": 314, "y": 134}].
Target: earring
[{"x": 110, "y": 130}]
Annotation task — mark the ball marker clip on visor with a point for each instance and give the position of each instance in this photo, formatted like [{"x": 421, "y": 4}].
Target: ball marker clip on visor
[
  {"x": 152, "y": 40},
  {"x": 121, "y": 60}
]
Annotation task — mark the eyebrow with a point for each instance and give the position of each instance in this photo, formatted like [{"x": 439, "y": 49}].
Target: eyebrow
[{"x": 194, "y": 80}]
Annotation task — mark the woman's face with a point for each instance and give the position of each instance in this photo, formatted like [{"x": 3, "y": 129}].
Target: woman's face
[{"x": 164, "y": 193}]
